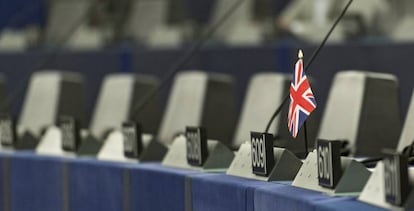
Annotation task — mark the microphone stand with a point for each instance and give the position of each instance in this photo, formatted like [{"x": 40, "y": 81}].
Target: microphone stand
[{"x": 315, "y": 53}]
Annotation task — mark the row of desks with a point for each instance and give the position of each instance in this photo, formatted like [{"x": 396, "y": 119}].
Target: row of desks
[{"x": 33, "y": 182}]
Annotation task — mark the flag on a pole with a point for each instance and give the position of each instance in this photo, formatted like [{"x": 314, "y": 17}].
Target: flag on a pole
[{"x": 302, "y": 101}]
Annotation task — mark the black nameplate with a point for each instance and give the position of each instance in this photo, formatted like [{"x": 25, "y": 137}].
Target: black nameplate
[
  {"x": 132, "y": 134},
  {"x": 197, "y": 152},
  {"x": 7, "y": 130},
  {"x": 263, "y": 159},
  {"x": 69, "y": 128},
  {"x": 396, "y": 178},
  {"x": 329, "y": 162}
]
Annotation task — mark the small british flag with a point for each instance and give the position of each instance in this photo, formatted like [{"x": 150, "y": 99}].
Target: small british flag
[{"x": 302, "y": 101}]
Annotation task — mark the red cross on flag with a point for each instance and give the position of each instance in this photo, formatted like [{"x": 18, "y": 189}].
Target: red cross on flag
[{"x": 302, "y": 101}]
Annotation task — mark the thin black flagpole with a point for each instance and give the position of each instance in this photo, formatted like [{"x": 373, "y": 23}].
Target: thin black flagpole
[{"x": 305, "y": 130}]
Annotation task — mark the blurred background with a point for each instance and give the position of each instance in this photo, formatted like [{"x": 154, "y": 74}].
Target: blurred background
[
  {"x": 97, "y": 37},
  {"x": 102, "y": 24}
]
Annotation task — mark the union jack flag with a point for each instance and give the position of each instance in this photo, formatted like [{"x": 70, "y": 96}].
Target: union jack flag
[{"x": 302, "y": 101}]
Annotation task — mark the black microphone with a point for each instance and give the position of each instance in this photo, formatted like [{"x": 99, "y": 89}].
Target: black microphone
[
  {"x": 188, "y": 54},
  {"x": 408, "y": 152},
  {"x": 314, "y": 54}
]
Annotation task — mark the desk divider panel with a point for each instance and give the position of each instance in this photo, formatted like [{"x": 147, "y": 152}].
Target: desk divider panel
[
  {"x": 120, "y": 94},
  {"x": 51, "y": 183},
  {"x": 50, "y": 94},
  {"x": 362, "y": 116},
  {"x": 212, "y": 97}
]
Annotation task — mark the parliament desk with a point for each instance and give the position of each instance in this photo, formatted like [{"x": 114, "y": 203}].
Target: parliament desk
[
  {"x": 35, "y": 182},
  {"x": 155, "y": 187},
  {"x": 31, "y": 182},
  {"x": 96, "y": 185},
  {"x": 3, "y": 185},
  {"x": 223, "y": 192},
  {"x": 289, "y": 197},
  {"x": 346, "y": 205}
]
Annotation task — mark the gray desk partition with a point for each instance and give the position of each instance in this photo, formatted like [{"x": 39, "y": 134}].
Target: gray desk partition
[
  {"x": 407, "y": 134},
  {"x": 264, "y": 94},
  {"x": 120, "y": 93},
  {"x": 364, "y": 109},
  {"x": 50, "y": 94},
  {"x": 200, "y": 99}
]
